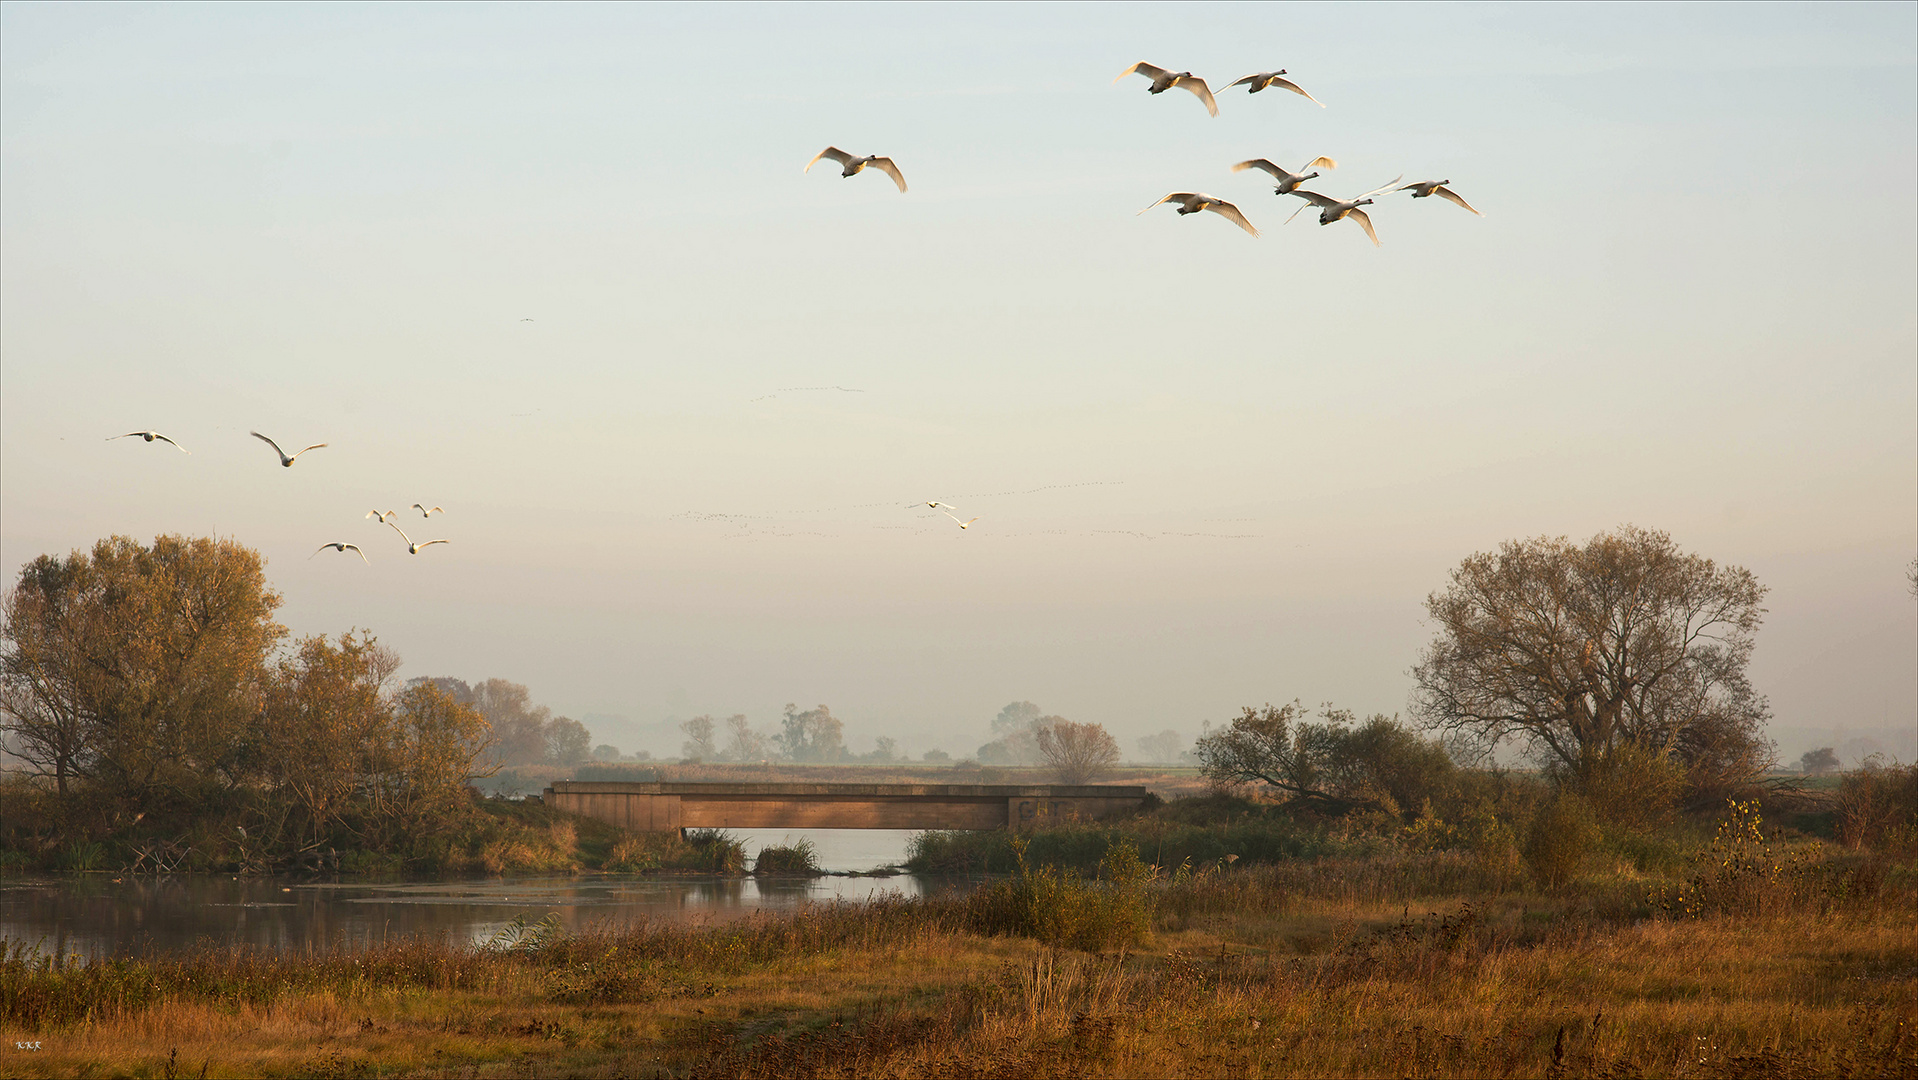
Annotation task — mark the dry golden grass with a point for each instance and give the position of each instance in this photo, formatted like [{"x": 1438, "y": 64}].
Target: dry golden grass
[{"x": 1295, "y": 970}]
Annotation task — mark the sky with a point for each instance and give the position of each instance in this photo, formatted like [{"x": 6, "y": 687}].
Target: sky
[{"x": 559, "y": 270}]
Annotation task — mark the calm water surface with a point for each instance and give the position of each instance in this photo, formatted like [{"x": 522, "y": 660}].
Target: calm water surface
[{"x": 98, "y": 914}]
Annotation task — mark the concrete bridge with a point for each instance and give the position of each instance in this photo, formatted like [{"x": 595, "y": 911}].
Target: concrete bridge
[{"x": 661, "y": 807}]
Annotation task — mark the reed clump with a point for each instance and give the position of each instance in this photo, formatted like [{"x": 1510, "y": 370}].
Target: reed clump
[{"x": 797, "y": 857}]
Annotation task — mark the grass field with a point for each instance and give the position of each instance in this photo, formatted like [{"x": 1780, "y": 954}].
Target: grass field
[{"x": 1800, "y": 962}]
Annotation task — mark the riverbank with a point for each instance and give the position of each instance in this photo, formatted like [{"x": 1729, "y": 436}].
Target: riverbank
[{"x": 1399, "y": 963}]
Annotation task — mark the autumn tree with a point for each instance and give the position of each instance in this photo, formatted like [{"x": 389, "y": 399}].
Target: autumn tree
[
  {"x": 1163, "y": 748},
  {"x": 1820, "y": 762},
  {"x": 137, "y": 668},
  {"x": 567, "y": 741},
  {"x": 699, "y": 739},
  {"x": 1015, "y": 734},
  {"x": 322, "y": 715},
  {"x": 1334, "y": 765},
  {"x": 1579, "y": 650},
  {"x": 743, "y": 743},
  {"x": 1077, "y": 753},
  {"x": 813, "y": 735},
  {"x": 418, "y": 771}
]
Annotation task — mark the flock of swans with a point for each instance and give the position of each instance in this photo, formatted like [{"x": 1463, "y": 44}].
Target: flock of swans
[
  {"x": 1192, "y": 202},
  {"x": 1286, "y": 182},
  {"x": 385, "y": 517}
]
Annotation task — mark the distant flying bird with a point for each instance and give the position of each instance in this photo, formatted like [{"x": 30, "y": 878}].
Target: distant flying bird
[
  {"x": 1287, "y": 180},
  {"x": 1191, "y": 202},
  {"x": 936, "y": 506},
  {"x": 150, "y": 436},
  {"x": 1163, "y": 80},
  {"x": 425, "y": 513},
  {"x": 1271, "y": 78},
  {"x": 382, "y": 514},
  {"x": 1425, "y": 188},
  {"x": 855, "y": 164},
  {"x": 967, "y": 524},
  {"x": 411, "y": 547},
  {"x": 343, "y": 547},
  {"x": 285, "y": 462},
  {"x": 1331, "y": 209}
]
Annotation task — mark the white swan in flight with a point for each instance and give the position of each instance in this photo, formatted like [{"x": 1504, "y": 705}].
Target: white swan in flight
[
  {"x": 1287, "y": 180},
  {"x": 1163, "y": 80},
  {"x": 1425, "y": 188},
  {"x": 382, "y": 514},
  {"x": 150, "y": 436},
  {"x": 425, "y": 513},
  {"x": 966, "y": 524},
  {"x": 936, "y": 505},
  {"x": 341, "y": 546},
  {"x": 1331, "y": 209},
  {"x": 1271, "y": 78},
  {"x": 411, "y": 547},
  {"x": 855, "y": 164},
  {"x": 285, "y": 462},
  {"x": 1191, "y": 202}
]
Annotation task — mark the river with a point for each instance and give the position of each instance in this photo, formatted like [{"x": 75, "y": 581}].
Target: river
[{"x": 102, "y": 914}]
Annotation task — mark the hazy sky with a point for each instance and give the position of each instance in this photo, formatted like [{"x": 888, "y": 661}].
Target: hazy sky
[{"x": 1690, "y": 305}]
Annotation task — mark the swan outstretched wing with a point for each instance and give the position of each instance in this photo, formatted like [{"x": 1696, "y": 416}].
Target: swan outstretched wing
[
  {"x": 1231, "y": 213},
  {"x": 1390, "y": 185},
  {"x": 1264, "y": 165},
  {"x": 343, "y": 548},
  {"x": 1247, "y": 79},
  {"x": 1143, "y": 68},
  {"x": 884, "y": 164},
  {"x": 1442, "y": 192},
  {"x": 1184, "y": 197},
  {"x": 1364, "y": 223},
  {"x": 430, "y": 543},
  {"x": 315, "y": 446},
  {"x": 1200, "y": 91},
  {"x": 270, "y": 442},
  {"x": 1319, "y": 162},
  {"x": 1313, "y": 198},
  {"x": 184, "y": 450},
  {"x": 832, "y": 152},
  {"x": 1295, "y": 88},
  {"x": 395, "y": 527}
]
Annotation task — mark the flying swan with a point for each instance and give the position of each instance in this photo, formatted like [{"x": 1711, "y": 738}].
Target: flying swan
[
  {"x": 411, "y": 547},
  {"x": 285, "y": 462},
  {"x": 1271, "y": 78},
  {"x": 1331, "y": 209},
  {"x": 855, "y": 164},
  {"x": 150, "y": 436},
  {"x": 1191, "y": 202},
  {"x": 1288, "y": 181},
  {"x": 1163, "y": 80}
]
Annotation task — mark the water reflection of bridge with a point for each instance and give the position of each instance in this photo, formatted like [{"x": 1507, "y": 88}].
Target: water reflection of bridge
[{"x": 661, "y": 807}]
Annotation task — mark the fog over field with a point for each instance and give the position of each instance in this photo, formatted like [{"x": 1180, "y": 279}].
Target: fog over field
[{"x": 558, "y": 270}]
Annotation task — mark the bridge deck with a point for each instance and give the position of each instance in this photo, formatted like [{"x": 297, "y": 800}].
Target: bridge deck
[{"x": 663, "y": 806}]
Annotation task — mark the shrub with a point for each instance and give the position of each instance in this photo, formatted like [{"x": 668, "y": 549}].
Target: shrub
[
  {"x": 1059, "y": 907},
  {"x": 1562, "y": 833},
  {"x": 1631, "y": 785},
  {"x": 799, "y": 858},
  {"x": 1877, "y": 807},
  {"x": 1743, "y": 872}
]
